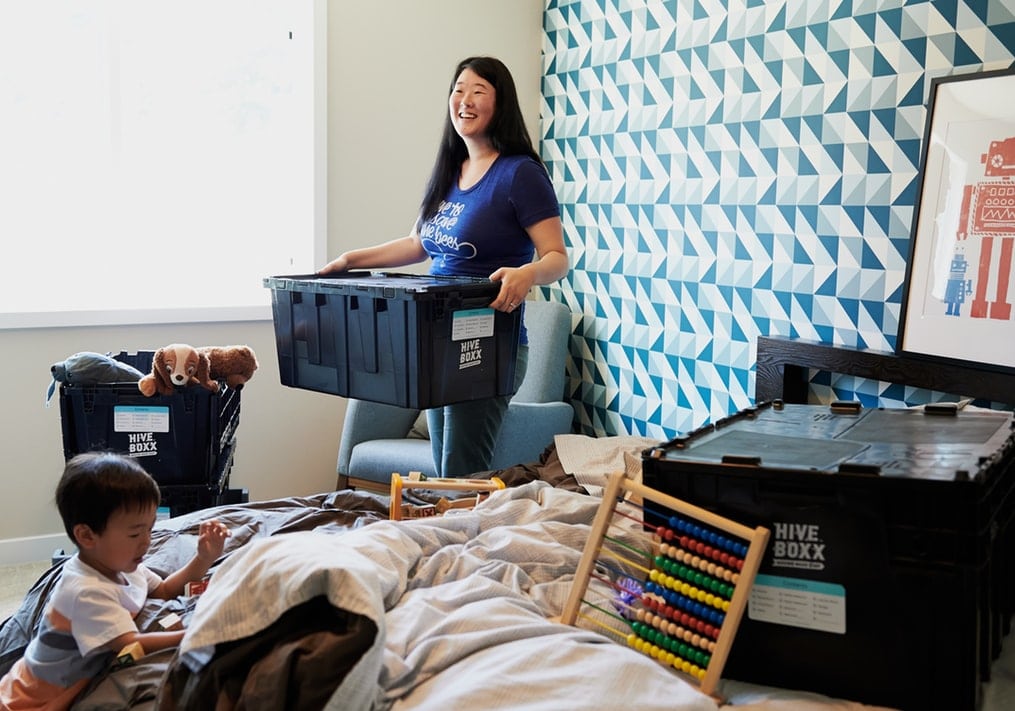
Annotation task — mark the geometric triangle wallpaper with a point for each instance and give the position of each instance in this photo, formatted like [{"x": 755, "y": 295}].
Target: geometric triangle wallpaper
[{"x": 734, "y": 169}]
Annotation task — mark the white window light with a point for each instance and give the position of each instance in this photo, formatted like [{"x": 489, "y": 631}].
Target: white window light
[{"x": 157, "y": 160}]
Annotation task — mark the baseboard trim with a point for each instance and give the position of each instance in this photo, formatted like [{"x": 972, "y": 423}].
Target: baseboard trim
[{"x": 31, "y": 549}]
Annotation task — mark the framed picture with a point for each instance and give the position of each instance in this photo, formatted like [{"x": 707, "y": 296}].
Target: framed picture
[{"x": 960, "y": 279}]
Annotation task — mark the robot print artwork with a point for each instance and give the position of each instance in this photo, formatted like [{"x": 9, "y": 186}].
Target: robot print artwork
[
  {"x": 987, "y": 225},
  {"x": 960, "y": 279}
]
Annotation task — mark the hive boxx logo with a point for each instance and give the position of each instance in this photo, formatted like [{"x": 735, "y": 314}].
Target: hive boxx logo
[
  {"x": 472, "y": 354},
  {"x": 143, "y": 444},
  {"x": 797, "y": 545}
]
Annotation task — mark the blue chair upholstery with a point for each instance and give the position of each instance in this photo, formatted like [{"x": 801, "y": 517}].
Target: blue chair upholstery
[{"x": 379, "y": 439}]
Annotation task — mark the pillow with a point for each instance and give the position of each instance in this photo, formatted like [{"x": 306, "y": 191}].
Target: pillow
[
  {"x": 420, "y": 429},
  {"x": 88, "y": 368}
]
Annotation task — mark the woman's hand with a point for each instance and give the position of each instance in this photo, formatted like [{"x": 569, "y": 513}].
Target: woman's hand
[
  {"x": 551, "y": 264},
  {"x": 335, "y": 266},
  {"x": 396, "y": 253},
  {"x": 515, "y": 283}
]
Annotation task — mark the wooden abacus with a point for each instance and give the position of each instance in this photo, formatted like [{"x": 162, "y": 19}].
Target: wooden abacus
[
  {"x": 399, "y": 510},
  {"x": 682, "y": 603}
]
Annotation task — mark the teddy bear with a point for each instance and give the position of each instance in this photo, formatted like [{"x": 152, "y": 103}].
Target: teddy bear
[{"x": 180, "y": 364}]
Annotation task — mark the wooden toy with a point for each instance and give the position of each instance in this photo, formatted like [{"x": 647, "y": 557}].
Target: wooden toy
[
  {"x": 400, "y": 510},
  {"x": 673, "y": 579}
]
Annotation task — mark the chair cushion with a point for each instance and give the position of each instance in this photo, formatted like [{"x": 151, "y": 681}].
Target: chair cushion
[{"x": 376, "y": 459}]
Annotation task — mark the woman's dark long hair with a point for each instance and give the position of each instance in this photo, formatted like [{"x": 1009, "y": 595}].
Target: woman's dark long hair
[{"x": 507, "y": 132}]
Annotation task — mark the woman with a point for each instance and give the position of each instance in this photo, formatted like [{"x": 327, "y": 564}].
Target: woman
[{"x": 488, "y": 209}]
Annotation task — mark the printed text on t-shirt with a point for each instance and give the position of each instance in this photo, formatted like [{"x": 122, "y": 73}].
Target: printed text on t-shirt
[{"x": 435, "y": 231}]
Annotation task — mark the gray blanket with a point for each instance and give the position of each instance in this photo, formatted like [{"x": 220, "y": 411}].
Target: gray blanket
[
  {"x": 312, "y": 608},
  {"x": 461, "y": 604}
]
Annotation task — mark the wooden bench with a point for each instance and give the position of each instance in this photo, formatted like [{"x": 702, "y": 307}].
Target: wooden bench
[{"x": 784, "y": 364}]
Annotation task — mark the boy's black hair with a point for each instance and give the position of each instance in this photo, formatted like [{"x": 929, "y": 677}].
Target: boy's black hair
[{"x": 96, "y": 484}]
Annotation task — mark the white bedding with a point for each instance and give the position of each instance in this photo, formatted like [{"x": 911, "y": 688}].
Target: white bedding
[{"x": 462, "y": 604}]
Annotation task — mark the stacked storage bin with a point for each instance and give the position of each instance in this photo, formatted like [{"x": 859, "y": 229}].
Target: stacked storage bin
[
  {"x": 888, "y": 579},
  {"x": 186, "y": 440},
  {"x": 410, "y": 340}
]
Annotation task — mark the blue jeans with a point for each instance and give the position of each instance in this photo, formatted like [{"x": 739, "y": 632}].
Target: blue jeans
[{"x": 463, "y": 435}]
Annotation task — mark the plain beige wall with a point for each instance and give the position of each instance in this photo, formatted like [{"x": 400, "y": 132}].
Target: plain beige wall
[
  {"x": 389, "y": 67},
  {"x": 391, "y": 71}
]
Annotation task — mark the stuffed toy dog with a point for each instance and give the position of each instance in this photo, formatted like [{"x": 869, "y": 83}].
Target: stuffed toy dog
[
  {"x": 233, "y": 364},
  {"x": 179, "y": 364}
]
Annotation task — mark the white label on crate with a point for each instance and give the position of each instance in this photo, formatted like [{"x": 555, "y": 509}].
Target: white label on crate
[
  {"x": 472, "y": 323},
  {"x": 140, "y": 418},
  {"x": 809, "y": 604}
]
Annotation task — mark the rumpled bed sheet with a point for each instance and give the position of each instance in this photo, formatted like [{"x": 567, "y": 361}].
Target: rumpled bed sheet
[{"x": 461, "y": 606}]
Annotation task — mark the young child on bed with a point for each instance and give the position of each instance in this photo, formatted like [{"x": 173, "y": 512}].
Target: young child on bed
[{"x": 108, "y": 505}]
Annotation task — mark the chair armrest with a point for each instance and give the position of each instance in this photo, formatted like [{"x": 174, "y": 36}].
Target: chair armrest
[
  {"x": 366, "y": 420},
  {"x": 528, "y": 429}
]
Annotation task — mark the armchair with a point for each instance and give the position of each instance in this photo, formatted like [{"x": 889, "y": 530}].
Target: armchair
[{"x": 379, "y": 439}]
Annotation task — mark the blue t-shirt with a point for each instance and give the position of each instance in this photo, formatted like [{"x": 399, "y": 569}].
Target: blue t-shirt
[{"x": 478, "y": 230}]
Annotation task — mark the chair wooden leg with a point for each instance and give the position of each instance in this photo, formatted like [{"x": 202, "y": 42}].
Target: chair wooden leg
[{"x": 352, "y": 482}]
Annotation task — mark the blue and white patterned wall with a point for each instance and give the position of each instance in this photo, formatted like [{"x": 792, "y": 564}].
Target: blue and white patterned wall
[{"x": 735, "y": 169}]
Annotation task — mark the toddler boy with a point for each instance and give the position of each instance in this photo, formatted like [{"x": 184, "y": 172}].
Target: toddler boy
[{"x": 108, "y": 504}]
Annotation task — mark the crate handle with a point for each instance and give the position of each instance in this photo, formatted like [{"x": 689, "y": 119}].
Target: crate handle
[
  {"x": 366, "y": 310},
  {"x": 744, "y": 460},
  {"x": 308, "y": 311},
  {"x": 802, "y": 494},
  {"x": 475, "y": 302}
]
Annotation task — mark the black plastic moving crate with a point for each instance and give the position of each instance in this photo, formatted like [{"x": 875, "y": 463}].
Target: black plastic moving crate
[
  {"x": 415, "y": 341},
  {"x": 186, "y": 499},
  {"x": 888, "y": 576},
  {"x": 186, "y": 438}
]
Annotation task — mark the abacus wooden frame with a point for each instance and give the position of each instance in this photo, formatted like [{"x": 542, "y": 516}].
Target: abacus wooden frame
[
  {"x": 757, "y": 538},
  {"x": 399, "y": 484}
]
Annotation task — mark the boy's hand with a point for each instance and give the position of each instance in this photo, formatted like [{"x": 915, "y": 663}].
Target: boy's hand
[{"x": 211, "y": 539}]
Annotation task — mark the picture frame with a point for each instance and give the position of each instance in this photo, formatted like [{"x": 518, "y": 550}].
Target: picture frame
[{"x": 958, "y": 300}]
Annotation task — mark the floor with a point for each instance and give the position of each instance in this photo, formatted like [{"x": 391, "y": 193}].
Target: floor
[
  {"x": 14, "y": 583},
  {"x": 999, "y": 693}
]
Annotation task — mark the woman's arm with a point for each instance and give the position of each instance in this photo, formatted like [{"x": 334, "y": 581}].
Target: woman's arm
[
  {"x": 551, "y": 264},
  {"x": 396, "y": 253}
]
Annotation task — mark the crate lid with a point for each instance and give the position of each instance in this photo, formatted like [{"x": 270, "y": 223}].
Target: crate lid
[
  {"x": 891, "y": 443},
  {"x": 384, "y": 284}
]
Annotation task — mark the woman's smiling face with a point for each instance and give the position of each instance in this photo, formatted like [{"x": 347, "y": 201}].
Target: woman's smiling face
[{"x": 472, "y": 104}]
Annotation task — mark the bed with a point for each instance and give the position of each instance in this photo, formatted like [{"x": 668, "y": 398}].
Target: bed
[{"x": 322, "y": 602}]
